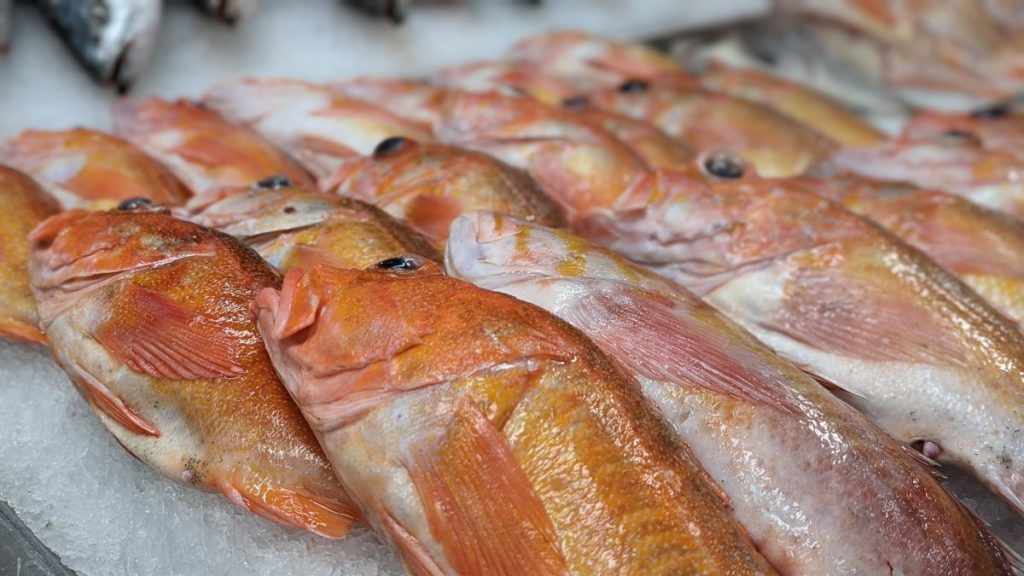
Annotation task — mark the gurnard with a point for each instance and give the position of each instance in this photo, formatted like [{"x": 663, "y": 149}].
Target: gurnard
[
  {"x": 783, "y": 449},
  {"x": 84, "y": 168},
  {"x": 428, "y": 185},
  {"x": 201, "y": 147},
  {"x": 482, "y": 435},
  {"x": 915, "y": 349},
  {"x": 297, "y": 226},
  {"x": 25, "y": 204},
  {"x": 149, "y": 316}
]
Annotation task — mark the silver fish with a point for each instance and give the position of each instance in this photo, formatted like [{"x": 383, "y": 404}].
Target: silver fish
[{"x": 113, "y": 39}]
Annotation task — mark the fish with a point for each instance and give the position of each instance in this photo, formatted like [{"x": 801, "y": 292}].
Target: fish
[
  {"x": 955, "y": 163},
  {"x": 203, "y": 149},
  {"x": 6, "y": 10},
  {"x": 415, "y": 100},
  {"x": 577, "y": 163},
  {"x": 113, "y": 39},
  {"x": 806, "y": 106},
  {"x": 230, "y": 11},
  {"x": 85, "y": 168},
  {"x": 394, "y": 10},
  {"x": 913, "y": 348},
  {"x": 291, "y": 225},
  {"x": 428, "y": 185},
  {"x": 25, "y": 205},
  {"x": 321, "y": 129},
  {"x": 774, "y": 144},
  {"x": 149, "y": 316},
  {"x": 507, "y": 77},
  {"x": 982, "y": 248},
  {"x": 781, "y": 447},
  {"x": 657, "y": 149},
  {"x": 482, "y": 435},
  {"x": 996, "y": 127}
]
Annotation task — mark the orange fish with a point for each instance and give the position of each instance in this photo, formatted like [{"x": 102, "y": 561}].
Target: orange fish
[
  {"x": 996, "y": 127},
  {"x": 202, "y": 148},
  {"x": 508, "y": 77},
  {"x": 805, "y": 105},
  {"x": 297, "y": 226},
  {"x": 482, "y": 435},
  {"x": 428, "y": 185},
  {"x": 982, "y": 248},
  {"x": 25, "y": 204},
  {"x": 149, "y": 316},
  {"x": 655, "y": 147},
  {"x": 775, "y": 144},
  {"x": 919, "y": 352},
  {"x": 88, "y": 169},
  {"x": 320, "y": 128},
  {"x": 413, "y": 100},
  {"x": 854, "y": 503}
]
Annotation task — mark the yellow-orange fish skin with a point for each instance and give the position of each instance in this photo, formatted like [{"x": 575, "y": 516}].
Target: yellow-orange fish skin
[
  {"x": 301, "y": 227},
  {"x": 149, "y": 316},
  {"x": 25, "y": 204},
  {"x": 85, "y": 168},
  {"x": 428, "y": 185},
  {"x": 483, "y": 436},
  {"x": 203, "y": 149}
]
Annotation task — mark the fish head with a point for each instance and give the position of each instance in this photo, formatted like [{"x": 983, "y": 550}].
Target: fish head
[
  {"x": 508, "y": 77},
  {"x": 76, "y": 252},
  {"x": 634, "y": 98},
  {"x": 396, "y": 157},
  {"x": 268, "y": 206}
]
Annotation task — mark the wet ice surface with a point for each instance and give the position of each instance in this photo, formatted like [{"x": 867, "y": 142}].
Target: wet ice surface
[{"x": 105, "y": 513}]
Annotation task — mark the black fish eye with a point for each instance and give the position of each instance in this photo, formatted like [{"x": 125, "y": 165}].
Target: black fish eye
[
  {"x": 575, "y": 103},
  {"x": 723, "y": 165},
  {"x": 401, "y": 263},
  {"x": 390, "y": 146},
  {"x": 135, "y": 204},
  {"x": 275, "y": 182},
  {"x": 633, "y": 86},
  {"x": 997, "y": 111}
]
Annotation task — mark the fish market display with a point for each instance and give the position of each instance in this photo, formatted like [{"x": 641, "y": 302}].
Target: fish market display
[
  {"x": 919, "y": 353},
  {"x": 202, "y": 148},
  {"x": 428, "y": 185},
  {"x": 25, "y": 204},
  {"x": 954, "y": 163},
  {"x": 113, "y": 39},
  {"x": 740, "y": 408},
  {"x": 84, "y": 168},
  {"x": 319, "y": 128},
  {"x": 982, "y": 248},
  {"x": 149, "y": 316},
  {"x": 483, "y": 436},
  {"x": 300, "y": 227}
]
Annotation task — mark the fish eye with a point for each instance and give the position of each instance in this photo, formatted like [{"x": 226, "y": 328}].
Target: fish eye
[
  {"x": 631, "y": 86},
  {"x": 135, "y": 204},
  {"x": 275, "y": 182},
  {"x": 956, "y": 136},
  {"x": 724, "y": 165},
  {"x": 99, "y": 13},
  {"x": 401, "y": 263},
  {"x": 997, "y": 111},
  {"x": 575, "y": 103},
  {"x": 390, "y": 146}
]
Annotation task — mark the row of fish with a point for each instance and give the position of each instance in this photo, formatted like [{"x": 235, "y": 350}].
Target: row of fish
[{"x": 572, "y": 312}]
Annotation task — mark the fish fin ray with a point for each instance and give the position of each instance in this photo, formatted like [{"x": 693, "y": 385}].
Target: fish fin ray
[
  {"x": 104, "y": 400},
  {"x": 323, "y": 516},
  {"x": 415, "y": 557}
]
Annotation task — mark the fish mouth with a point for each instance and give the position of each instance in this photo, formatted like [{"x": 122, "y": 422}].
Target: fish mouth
[
  {"x": 118, "y": 74},
  {"x": 471, "y": 253}
]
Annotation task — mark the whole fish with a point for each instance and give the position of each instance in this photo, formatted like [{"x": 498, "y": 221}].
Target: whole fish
[
  {"x": 319, "y": 128},
  {"x": 856, "y": 503},
  {"x": 428, "y": 185},
  {"x": 482, "y": 435},
  {"x": 297, "y": 226},
  {"x": 84, "y": 168},
  {"x": 982, "y": 248},
  {"x": 113, "y": 39},
  {"x": 394, "y": 10},
  {"x": 805, "y": 105},
  {"x": 230, "y": 11},
  {"x": 707, "y": 122},
  {"x": 414, "y": 100},
  {"x": 202, "y": 148},
  {"x": 578, "y": 163},
  {"x": 25, "y": 204},
  {"x": 149, "y": 316},
  {"x": 918, "y": 352},
  {"x": 996, "y": 127},
  {"x": 955, "y": 163}
]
